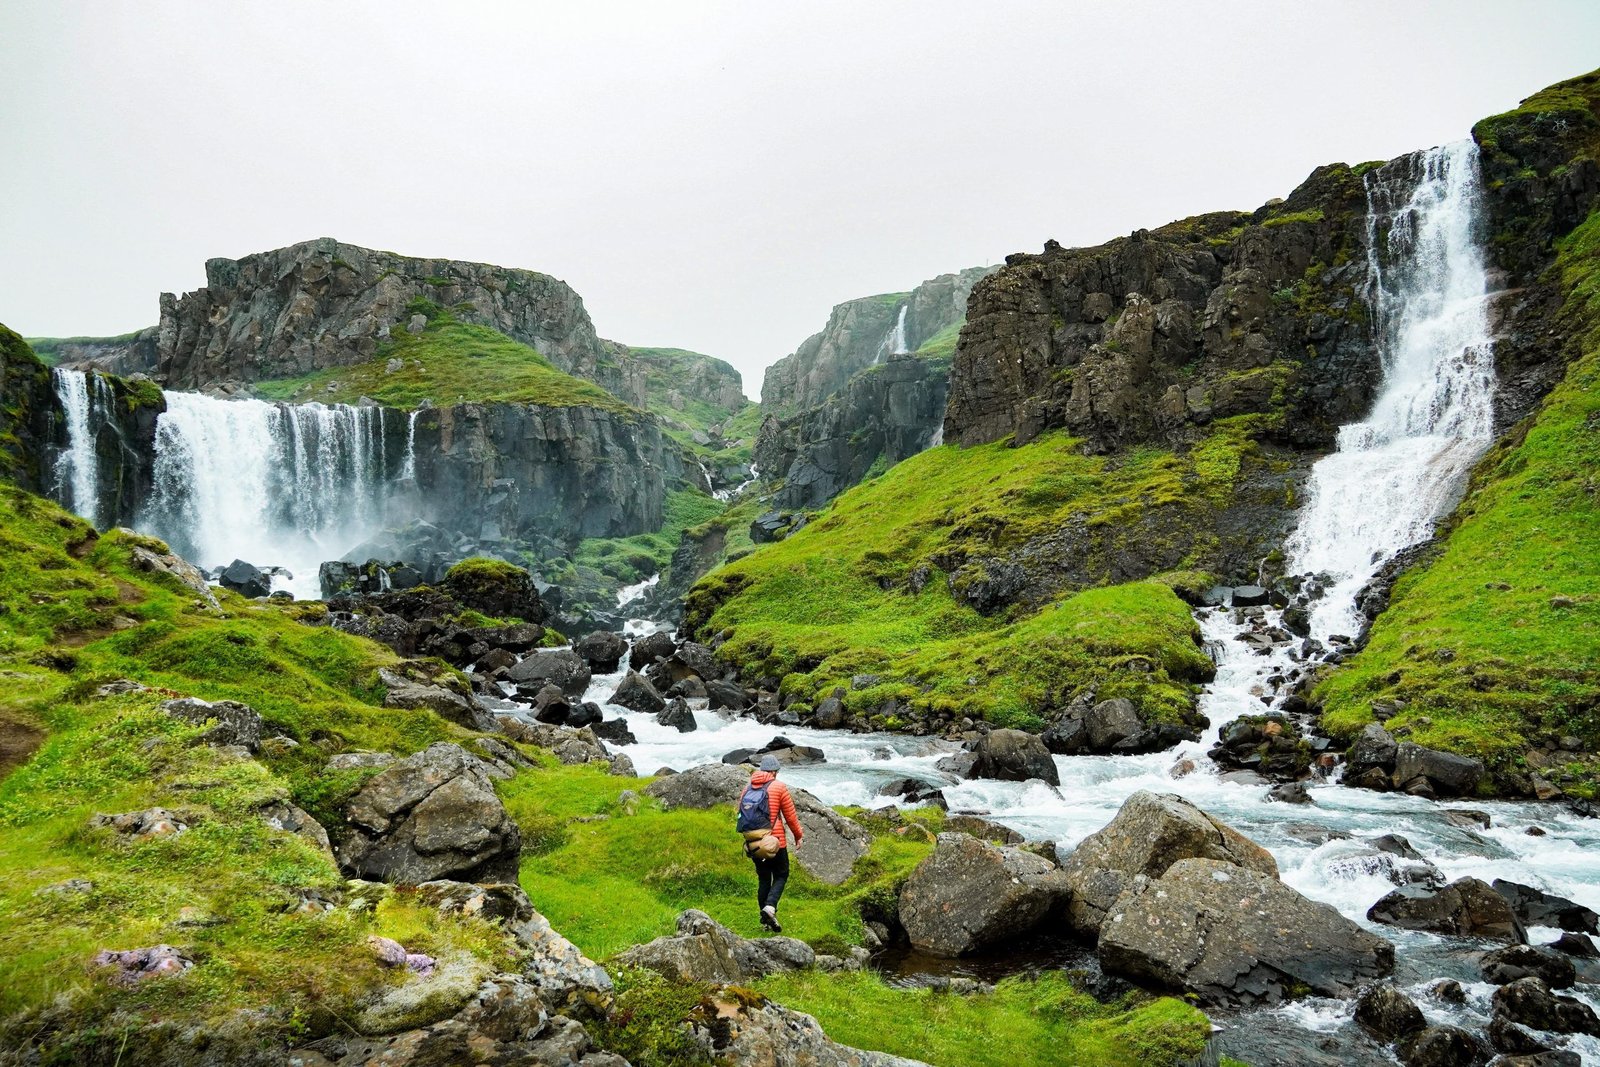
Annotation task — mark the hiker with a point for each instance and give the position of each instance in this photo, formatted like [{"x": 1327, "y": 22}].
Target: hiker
[{"x": 764, "y": 808}]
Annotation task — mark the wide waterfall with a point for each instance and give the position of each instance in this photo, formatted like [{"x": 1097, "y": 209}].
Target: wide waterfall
[
  {"x": 85, "y": 399},
  {"x": 1396, "y": 471},
  {"x": 288, "y": 485}
]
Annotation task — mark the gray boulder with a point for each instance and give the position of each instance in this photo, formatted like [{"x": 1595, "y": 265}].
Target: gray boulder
[
  {"x": 1151, "y": 832},
  {"x": 1237, "y": 937},
  {"x": 1467, "y": 907},
  {"x": 829, "y": 714},
  {"x": 678, "y": 716},
  {"x": 832, "y": 843},
  {"x": 282, "y": 815},
  {"x": 602, "y": 650},
  {"x": 764, "y": 1034},
  {"x": 705, "y": 786},
  {"x": 1535, "y": 907},
  {"x": 729, "y": 695},
  {"x": 1114, "y": 725},
  {"x": 648, "y": 649},
  {"x": 969, "y": 895},
  {"x": 560, "y": 666},
  {"x": 234, "y": 723},
  {"x": 1014, "y": 756},
  {"x": 432, "y": 815},
  {"x": 1444, "y": 1046},
  {"x": 463, "y": 710},
  {"x": 1430, "y": 772},
  {"x": 703, "y": 950},
  {"x": 636, "y": 693}
]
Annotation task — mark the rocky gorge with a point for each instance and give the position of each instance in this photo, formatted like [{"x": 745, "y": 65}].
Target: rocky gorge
[{"x": 1232, "y": 664}]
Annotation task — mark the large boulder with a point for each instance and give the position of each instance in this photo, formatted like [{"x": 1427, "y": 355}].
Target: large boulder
[
  {"x": 558, "y": 666},
  {"x": 1014, "y": 756},
  {"x": 1506, "y": 965},
  {"x": 1237, "y": 937},
  {"x": 246, "y": 579},
  {"x": 969, "y": 895},
  {"x": 1529, "y": 1002},
  {"x": 602, "y": 650},
  {"x": 496, "y": 588},
  {"x": 636, "y": 693},
  {"x": 1430, "y": 772},
  {"x": 755, "y": 1032},
  {"x": 703, "y": 950},
  {"x": 705, "y": 786},
  {"x": 832, "y": 844},
  {"x": 1269, "y": 745},
  {"x": 432, "y": 815},
  {"x": 1151, "y": 832},
  {"x": 725, "y": 694},
  {"x": 1388, "y": 1014},
  {"x": 648, "y": 649},
  {"x": 1467, "y": 907},
  {"x": 461, "y": 709},
  {"x": 233, "y": 723},
  {"x": 1444, "y": 1046},
  {"x": 1535, "y": 907},
  {"x": 690, "y": 660},
  {"x": 677, "y": 715},
  {"x": 1110, "y": 726}
]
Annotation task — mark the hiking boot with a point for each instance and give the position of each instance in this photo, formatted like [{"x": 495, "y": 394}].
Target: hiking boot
[{"x": 769, "y": 919}]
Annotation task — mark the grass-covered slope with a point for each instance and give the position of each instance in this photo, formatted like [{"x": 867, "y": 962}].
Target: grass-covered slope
[
  {"x": 840, "y": 597},
  {"x": 74, "y": 614},
  {"x": 1494, "y": 645},
  {"x": 449, "y": 362}
]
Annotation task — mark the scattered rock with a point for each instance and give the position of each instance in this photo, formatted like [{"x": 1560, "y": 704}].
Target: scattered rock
[
  {"x": 969, "y": 895},
  {"x": 1111, "y": 726},
  {"x": 1014, "y": 756},
  {"x": 282, "y": 815},
  {"x": 142, "y": 825},
  {"x": 246, "y": 579},
  {"x": 152, "y": 562},
  {"x": 235, "y": 723},
  {"x": 391, "y": 953},
  {"x": 1388, "y": 1014},
  {"x": 1508, "y": 1037},
  {"x": 351, "y": 761},
  {"x": 704, "y": 950},
  {"x": 729, "y": 695},
  {"x": 1235, "y": 936},
  {"x": 432, "y": 815},
  {"x": 1529, "y": 1002},
  {"x": 1466, "y": 907},
  {"x": 1150, "y": 833},
  {"x": 983, "y": 829},
  {"x": 1290, "y": 793},
  {"x": 751, "y": 1031},
  {"x": 1506, "y": 965},
  {"x": 648, "y": 649},
  {"x": 615, "y": 731},
  {"x": 829, "y": 714},
  {"x": 1577, "y": 945},
  {"x": 132, "y": 966},
  {"x": 1269, "y": 745},
  {"x": 636, "y": 693}
]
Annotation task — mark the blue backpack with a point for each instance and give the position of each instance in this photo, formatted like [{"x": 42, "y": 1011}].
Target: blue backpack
[{"x": 755, "y": 810}]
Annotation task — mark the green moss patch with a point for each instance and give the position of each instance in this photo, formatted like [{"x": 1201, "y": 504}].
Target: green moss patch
[{"x": 988, "y": 1030}]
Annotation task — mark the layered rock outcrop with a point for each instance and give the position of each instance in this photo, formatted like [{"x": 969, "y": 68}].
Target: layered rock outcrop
[
  {"x": 27, "y": 411},
  {"x": 323, "y": 303}
]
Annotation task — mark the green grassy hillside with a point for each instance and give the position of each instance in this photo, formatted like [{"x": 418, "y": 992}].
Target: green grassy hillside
[
  {"x": 833, "y": 600},
  {"x": 1494, "y": 645},
  {"x": 449, "y": 362}
]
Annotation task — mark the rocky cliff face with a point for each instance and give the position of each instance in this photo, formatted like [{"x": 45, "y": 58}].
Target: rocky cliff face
[
  {"x": 28, "y": 408},
  {"x": 134, "y": 353},
  {"x": 1155, "y": 335},
  {"x": 845, "y": 403},
  {"x": 676, "y": 378},
  {"x": 324, "y": 304},
  {"x": 503, "y": 471},
  {"x": 880, "y": 416}
]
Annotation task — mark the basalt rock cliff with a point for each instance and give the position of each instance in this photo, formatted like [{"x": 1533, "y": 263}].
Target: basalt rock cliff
[
  {"x": 28, "y": 407},
  {"x": 850, "y": 400}
]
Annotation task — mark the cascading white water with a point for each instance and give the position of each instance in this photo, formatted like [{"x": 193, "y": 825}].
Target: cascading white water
[
  {"x": 408, "y": 468},
  {"x": 894, "y": 342},
  {"x": 288, "y": 485},
  {"x": 85, "y": 399},
  {"x": 1397, "y": 470}
]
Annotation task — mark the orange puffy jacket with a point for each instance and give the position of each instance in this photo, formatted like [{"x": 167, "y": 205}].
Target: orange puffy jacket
[{"x": 782, "y": 807}]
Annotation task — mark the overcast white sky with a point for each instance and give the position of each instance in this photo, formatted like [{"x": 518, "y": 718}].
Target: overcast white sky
[{"x": 708, "y": 175}]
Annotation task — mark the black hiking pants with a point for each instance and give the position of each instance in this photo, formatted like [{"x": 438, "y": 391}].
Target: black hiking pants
[{"x": 771, "y": 876}]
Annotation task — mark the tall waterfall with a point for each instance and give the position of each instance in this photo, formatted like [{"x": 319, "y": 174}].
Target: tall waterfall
[
  {"x": 1396, "y": 471},
  {"x": 289, "y": 485},
  {"x": 86, "y": 399},
  {"x": 894, "y": 342}
]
